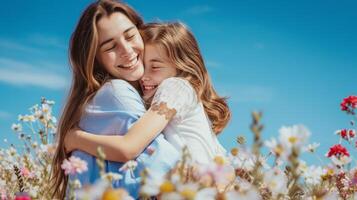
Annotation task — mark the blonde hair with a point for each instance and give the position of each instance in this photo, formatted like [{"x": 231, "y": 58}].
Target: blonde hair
[
  {"x": 182, "y": 50},
  {"x": 88, "y": 77}
]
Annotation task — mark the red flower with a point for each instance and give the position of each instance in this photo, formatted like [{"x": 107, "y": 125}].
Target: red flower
[
  {"x": 349, "y": 104},
  {"x": 22, "y": 196},
  {"x": 338, "y": 150},
  {"x": 347, "y": 134}
]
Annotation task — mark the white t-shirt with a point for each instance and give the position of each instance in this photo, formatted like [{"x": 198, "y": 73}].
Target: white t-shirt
[{"x": 190, "y": 126}]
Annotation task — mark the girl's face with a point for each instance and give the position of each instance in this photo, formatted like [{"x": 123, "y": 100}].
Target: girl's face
[
  {"x": 157, "y": 68},
  {"x": 120, "y": 48}
]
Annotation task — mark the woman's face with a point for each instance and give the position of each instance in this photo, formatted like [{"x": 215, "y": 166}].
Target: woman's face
[
  {"x": 120, "y": 50},
  {"x": 157, "y": 69}
]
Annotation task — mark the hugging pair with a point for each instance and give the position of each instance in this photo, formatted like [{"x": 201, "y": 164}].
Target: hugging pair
[{"x": 111, "y": 87}]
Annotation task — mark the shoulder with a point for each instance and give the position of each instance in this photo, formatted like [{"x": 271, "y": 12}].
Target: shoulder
[
  {"x": 119, "y": 84},
  {"x": 177, "y": 93},
  {"x": 121, "y": 88},
  {"x": 177, "y": 86},
  {"x": 176, "y": 81},
  {"x": 124, "y": 93}
]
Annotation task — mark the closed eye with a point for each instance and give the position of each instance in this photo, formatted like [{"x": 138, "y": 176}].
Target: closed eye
[
  {"x": 130, "y": 37},
  {"x": 111, "y": 48},
  {"x": 156, "y": 68}
]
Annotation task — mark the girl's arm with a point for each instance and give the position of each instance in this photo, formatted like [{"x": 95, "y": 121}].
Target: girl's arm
[{"x": 126, "y": 147}]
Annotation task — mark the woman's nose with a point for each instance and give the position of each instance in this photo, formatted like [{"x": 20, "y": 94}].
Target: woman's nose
[{"x": 126, "y": 51}]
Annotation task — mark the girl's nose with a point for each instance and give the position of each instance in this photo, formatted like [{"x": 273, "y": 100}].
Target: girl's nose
[{"x": 145, "y": 78}]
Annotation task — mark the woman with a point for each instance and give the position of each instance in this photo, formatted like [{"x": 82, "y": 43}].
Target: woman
[{"x": 107, "y": 45}]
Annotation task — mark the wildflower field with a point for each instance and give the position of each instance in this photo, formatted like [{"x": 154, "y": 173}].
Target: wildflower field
[{"x": 244, "y": 173}]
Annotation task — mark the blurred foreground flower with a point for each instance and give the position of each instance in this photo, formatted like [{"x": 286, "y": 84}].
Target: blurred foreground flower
[
  {"x": 244, "y": 173},
  {"x": 74, "y": 166}
]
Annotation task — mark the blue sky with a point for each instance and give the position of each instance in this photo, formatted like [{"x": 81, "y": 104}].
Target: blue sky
[{"x": 293, "y": 60}]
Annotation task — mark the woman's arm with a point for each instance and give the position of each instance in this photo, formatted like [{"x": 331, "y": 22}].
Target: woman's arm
[{"x": 128, "y": 146}]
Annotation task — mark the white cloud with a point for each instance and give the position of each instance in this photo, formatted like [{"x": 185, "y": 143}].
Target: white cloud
[
  {"x": 46, "y": 40},
  {"x": 20, "y": 73},
  {"x": 198, "y": 10},
  {"x": 4, "y": 115},
  {"x": 246, "y": 93},
  {"x": 16, "y": 46}
]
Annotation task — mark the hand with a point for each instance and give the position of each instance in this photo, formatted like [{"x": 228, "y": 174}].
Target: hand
[{"x": 69, "y": 140}]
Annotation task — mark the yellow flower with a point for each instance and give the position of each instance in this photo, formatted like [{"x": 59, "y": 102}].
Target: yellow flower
[
  {"x": 167, "y": 187},
  {"x": 114, "y": 194},
  {"x": 219, "y": 160},
  {"x": 234, "y": 151},
  {"x": 188, "y": 194}
]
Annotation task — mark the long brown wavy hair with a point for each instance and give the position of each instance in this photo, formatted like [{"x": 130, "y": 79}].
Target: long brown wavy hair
[
  {"x": 88, "y": 77},
  {"x": 183, "y": 51}
]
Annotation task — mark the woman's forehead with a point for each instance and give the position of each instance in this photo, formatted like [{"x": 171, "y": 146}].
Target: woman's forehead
[{"x": 113, "y": 25}]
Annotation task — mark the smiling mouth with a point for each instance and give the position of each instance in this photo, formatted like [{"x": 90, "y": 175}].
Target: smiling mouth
[
  {"x": 131, "y": 64},
  {"x": 148, "y": 88}
]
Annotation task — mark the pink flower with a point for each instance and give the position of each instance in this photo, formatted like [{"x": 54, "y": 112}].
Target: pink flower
[
  {"x": 26, "y": 173},
  {"x": 3, "y": 194},
  {"x": 74, "y": 165},
  {"x": 349, "y": 104}
]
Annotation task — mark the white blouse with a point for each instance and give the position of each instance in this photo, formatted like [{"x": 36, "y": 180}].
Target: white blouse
[{"x": 190, "y": 126}]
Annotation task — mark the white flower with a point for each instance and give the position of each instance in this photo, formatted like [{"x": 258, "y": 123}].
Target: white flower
[
  {"x": 243, "y": 185},
  {"x": 46, "y": 108},
  {"x": 77, "y": 184},
  {"x": 311, "y": 147},
  {"x": 293, "y": 136},
  {"x": 2, "y": 183},
  {"x": 274, "y": 147},
  {"x": 251, "y": 194},
  {"x": 38, "y": 114},
  {"x": 33, "y": 191},
  {"x": 333, "y": 195},
  {"x": 130, "y": 165},
  {"x": 111, "y": 176},
  {"x": 49, "y": 102},
  {"x": 94, "y": 191},
  {"x": 243, "y": 160},
  {"x": 28, "y": 118},
  {"x": 313, "y": 175},
  {"x": 221, "y": 173},
  {"x": 34, "y": 145},
  {"x": 11, "y": 151},
  {"x": 187, "y": 190},
  {"x": 276, "y": 181},
  {"x": 206, "y": 194},
  {"x": 13, "y": 177},
  {"x": 302, "y": 167},
  {"x": 342, "y": 160},
  {"x": 171, "y": 196},
  {"x": 16, "y": 127},
  {"x": 150, "y": 189}
]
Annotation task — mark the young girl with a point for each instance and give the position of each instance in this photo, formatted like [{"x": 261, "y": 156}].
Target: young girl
[{"x": 177, "y": 86}]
